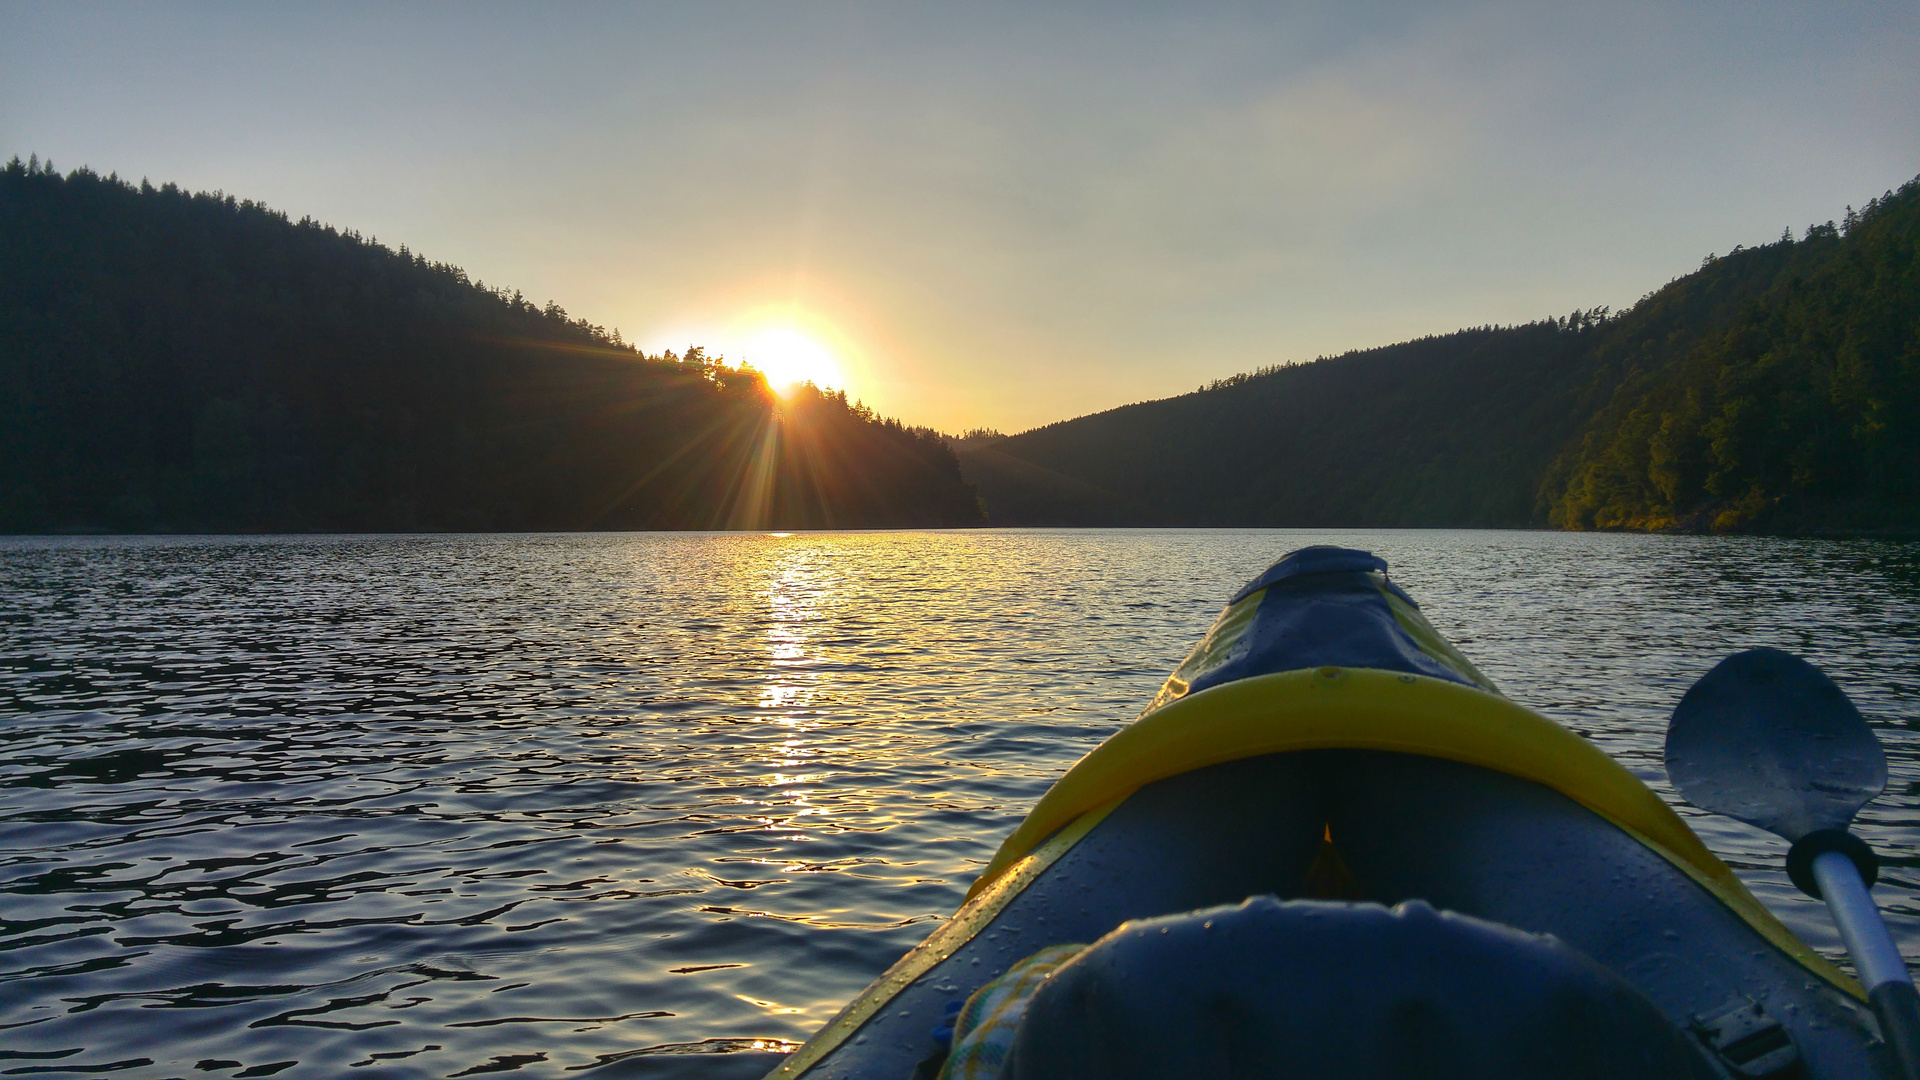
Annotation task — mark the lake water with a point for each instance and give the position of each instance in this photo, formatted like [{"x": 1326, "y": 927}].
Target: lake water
[{"x": 657, "y": 805}]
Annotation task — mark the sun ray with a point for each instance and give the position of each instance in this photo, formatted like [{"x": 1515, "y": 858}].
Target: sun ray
[{"x": 753, "y": 505}]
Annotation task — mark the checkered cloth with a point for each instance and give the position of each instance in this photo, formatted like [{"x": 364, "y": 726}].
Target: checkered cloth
[{"x": 983, "y": 1034}]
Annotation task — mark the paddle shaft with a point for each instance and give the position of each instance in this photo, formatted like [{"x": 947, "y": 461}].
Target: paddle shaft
[{"x": 1882, "y": 970}]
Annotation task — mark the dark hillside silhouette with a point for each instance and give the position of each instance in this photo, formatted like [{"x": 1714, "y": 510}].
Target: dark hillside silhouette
[
  {"x": 1018, "y": 492},
  {"x": 1424, "y": 433},
  {"x": 1776, "y": 388},
  {"x": 176, "y": 361}
]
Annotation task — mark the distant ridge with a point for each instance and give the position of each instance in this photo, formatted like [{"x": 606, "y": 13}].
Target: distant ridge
[
  {"x": 1777, "y": 389},
  {"x": 180, "y": 362},
  {"x": 1027, "y": 494}
]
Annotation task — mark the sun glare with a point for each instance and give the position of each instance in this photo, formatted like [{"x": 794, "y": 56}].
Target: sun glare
[{"x": 788, "y": 358}]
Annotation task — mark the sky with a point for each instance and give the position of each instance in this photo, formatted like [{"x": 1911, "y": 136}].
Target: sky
[{"x": 1000, "y": 216}]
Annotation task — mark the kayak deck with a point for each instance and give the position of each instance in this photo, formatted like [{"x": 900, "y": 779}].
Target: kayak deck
[
  {"x": 1264, "y": 767},
  {"x": 1462, "y": 838}
]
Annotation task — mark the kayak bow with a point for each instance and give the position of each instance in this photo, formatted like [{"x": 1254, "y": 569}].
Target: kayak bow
[{"x": 1324, "y": 742}]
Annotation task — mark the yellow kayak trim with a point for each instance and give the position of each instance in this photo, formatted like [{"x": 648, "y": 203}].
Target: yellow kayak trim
[
  {"x": 1334, "y": 708},
  {"x": 983, "y": 905}
]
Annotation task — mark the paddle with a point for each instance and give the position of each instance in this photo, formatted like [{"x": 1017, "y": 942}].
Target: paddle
[{"x": 1766, "y": 738}]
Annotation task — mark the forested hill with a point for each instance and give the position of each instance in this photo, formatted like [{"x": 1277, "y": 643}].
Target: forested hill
[
  {"x": 1800, "y": 415},
  {"x": 1777, "y": 388},
  {"x": 176, "y": 361}
]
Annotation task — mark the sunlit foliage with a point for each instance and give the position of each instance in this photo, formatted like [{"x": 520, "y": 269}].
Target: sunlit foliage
[{"x": 1801, "y": 414}]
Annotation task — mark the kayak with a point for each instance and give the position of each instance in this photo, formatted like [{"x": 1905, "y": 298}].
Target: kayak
[{"x": 1330, "y": 846}]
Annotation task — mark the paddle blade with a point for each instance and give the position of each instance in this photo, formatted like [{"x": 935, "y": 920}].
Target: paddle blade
[{"x": 1766, "y": 738}]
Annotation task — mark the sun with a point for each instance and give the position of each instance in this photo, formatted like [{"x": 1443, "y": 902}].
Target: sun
[{"x": 788, "y": 358}]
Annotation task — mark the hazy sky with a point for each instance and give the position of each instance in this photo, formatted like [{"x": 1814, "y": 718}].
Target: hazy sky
[{"x": 1005, "y": 215}]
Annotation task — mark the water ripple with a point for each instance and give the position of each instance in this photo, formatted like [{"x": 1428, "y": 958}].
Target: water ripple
[{"x": 657, "y": 805}]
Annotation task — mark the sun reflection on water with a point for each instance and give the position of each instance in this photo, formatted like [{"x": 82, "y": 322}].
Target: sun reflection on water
[
  {"x": 799, "y": 597},
  {"x": 795, "y": 598}
]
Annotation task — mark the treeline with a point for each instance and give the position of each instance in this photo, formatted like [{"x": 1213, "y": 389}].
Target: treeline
[
  {"x": 1777, "y": 388},
  {"x": 1800, "y": 415},
  {"x": 1439, "y": 431},
  {"x": 181, "y": 362}
]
